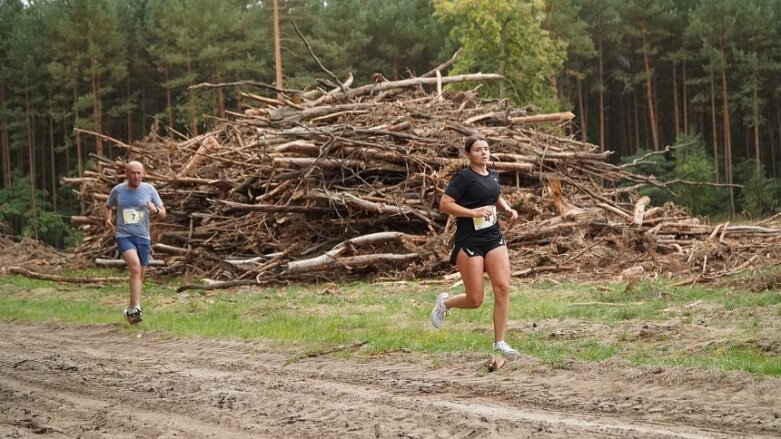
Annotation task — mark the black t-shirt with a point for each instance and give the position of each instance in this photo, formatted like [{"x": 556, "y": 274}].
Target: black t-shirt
[{"x": 472, "y": 190}]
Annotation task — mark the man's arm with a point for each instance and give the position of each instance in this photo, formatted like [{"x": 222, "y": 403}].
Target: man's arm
[
  {"x": 108, "y": 214},
  {"x": 161, "y": 212},
  {"x": 158, "y": 212}
]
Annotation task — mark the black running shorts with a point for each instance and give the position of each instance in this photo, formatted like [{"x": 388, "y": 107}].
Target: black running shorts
[{"x": 476, "y": 250}]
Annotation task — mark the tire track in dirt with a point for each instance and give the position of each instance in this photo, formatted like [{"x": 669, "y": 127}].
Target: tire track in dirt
[{"x": 103, "y": 380}]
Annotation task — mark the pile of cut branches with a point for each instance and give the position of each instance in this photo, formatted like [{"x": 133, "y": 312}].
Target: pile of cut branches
[{"x": 345, "y": 183}]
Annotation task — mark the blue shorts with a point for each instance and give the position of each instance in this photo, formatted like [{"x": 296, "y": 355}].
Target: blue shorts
[
  {"x": 476, "y": 250},
  {"x": 142, "y": 246}
]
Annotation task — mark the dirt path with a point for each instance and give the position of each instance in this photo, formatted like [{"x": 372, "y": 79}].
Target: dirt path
[{"x": 102, "y": 381}]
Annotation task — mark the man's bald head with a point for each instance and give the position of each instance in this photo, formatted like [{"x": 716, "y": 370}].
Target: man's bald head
[
  {"x": 134, "y": 165},
  {"x": 135, "y": 173}
]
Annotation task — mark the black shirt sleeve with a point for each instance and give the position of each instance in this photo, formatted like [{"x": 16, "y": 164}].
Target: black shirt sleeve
[{"x": 457, "y": 186}]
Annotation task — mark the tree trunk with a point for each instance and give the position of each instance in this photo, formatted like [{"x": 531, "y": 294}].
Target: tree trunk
[
  {"x": 31, "y": 155},
  {"x": 220, "y": 94},
  {"x": 191, "y": 95},
  {"x": 169, "y": 98},
  {"x": 277, "y": 46},
  {"x": 129, "y": 121},
  {"x": 714, "y": 131},
  {"x": 4, "y": 143},
  {"x": 96, "y": 110},
  {"x": 583, "y": 119},
  {"x": 43, "y": 174},
  {"x": 79, "y": 152},
  {"x": 637, "y": 121},
  {"x": 726, "y": 120},
  {"x": 52, "y": 167},
  {"x": 778, "y": 117},
  {"x": 68, "y": 152},
  {"x": 772, "y": 139},
  {"x": 502, "y": 65},
  {"x": 650, "y": 94},
  {"x": 601, "y": 96},
  {"x": 685, "y": 102},
  {"x": 626, "y": 127},
  {"x": 676, "y": 106},
  {"x": 755, "y": 105}
]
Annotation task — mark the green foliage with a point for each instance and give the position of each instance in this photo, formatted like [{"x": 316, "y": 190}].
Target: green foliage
[
  {"x": 53, "y": 230},
  {"x": 760, "y": 194},
  {"x": 691, "y": 163},
  {"x": 506, "y": 37},
  {"x": 658, "y": 166},
  {"x": 16, "y": 211},
  {"x": 363, "y": 37},
  {"x": 694, "y": 164},
  {"x": 569, "y": 31}
]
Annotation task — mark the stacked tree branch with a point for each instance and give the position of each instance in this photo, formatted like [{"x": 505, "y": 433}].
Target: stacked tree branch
[{"x": 345, "y": 183}]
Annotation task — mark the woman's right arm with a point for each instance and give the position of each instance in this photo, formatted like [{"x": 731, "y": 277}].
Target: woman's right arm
[{"x": 448, "y": 205}]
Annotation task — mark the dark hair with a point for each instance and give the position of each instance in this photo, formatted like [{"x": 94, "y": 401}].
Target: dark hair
[{"x": 471, "y": 141}]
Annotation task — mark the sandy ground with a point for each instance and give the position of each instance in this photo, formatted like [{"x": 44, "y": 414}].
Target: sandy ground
[{"x": 104, "y": 381}]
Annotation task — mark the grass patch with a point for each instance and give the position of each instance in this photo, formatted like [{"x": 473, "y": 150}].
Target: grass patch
[{"x": 651, "y": 323}]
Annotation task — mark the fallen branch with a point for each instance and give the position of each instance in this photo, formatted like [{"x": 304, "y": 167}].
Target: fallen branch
[
  {"x": 605, "y": 304},
  {"x": 67, "y": 279}
]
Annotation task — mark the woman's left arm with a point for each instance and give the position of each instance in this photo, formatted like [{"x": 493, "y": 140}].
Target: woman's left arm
[{"x": 505, "y": 207}]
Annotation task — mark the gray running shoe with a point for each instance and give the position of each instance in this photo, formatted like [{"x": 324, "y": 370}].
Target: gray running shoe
[{"x": 440, "y": 310}]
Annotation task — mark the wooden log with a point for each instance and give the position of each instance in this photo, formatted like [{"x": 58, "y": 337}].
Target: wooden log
[
  {"x": 184, "y": 236},
  {"x": 67, "y": 279},
  {"x": 542, "y": 118},
  {"x": 615, "y": 210},
  {"x": 209, "y": 144},
  {"x": 121, "y": 262},
  {"x": 78, "y": 180},
  {"x": 241, "y": 207},
  {"x": 517, "y": 117},
  {"x": 311, "y": 149},
  {"x": 376, "y": 258},
  {"x": 165, "y": 248},
  {"x": 109, "y": 139},
  {"x": 305, "y": 162},
  {"x": 405, "y": 83},
  {"x": 328, "y": 262},
  {"x": 381, "y": 208},
  {"x": 284, "y": 113},
  {"x": 563, "y": 207},
  {"x": 78, "y": 220},
  {"x": 328, "y": 259},
  {"x": 640, "y": 209}
]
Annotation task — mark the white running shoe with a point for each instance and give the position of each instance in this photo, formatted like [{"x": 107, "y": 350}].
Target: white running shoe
[
  {"x": 133, "y": 316},
  {"x": 505, "y": 349},
  {"x": 440, "y": 310}
]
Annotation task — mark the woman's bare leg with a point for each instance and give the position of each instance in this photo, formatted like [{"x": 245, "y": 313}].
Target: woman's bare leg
[
  {"x": 471, "y": 270},
  {"x": 497, "y": 263}
]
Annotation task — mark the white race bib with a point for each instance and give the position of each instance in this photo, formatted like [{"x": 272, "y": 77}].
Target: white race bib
[
  {"x": 483, "y": 222},
  {"x": 132, "y": 216}
]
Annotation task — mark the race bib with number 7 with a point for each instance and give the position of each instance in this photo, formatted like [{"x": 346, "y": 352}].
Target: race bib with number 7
[
  {"x": 483, "y": 222},
  {"x": 132, "y": 216}
]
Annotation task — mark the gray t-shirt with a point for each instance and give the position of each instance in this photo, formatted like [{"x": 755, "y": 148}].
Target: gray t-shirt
[{"x": 132, "y": 211}]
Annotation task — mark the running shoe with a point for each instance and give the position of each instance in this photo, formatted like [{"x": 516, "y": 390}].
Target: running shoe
[
  {"x": 133, "y": 316},
  {"x": 505, "y": 349},
  {"x": 440, "y": 310}
]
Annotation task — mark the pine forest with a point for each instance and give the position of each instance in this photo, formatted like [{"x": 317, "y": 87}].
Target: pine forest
[{"x": 698, "y": 81}]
